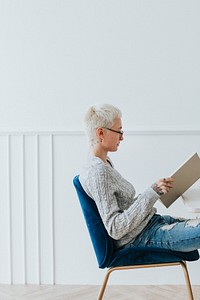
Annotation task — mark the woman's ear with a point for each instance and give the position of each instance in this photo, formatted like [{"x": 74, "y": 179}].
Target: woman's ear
[{"x": 99, "y": 133}]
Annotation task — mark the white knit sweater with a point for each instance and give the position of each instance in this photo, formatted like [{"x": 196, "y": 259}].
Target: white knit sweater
[{"x": 123, "y": 214}]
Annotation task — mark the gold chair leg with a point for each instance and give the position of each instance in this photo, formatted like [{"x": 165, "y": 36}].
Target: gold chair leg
[
  {"x": 187, "y": 280},
  {"x": 103, "y": 287}
]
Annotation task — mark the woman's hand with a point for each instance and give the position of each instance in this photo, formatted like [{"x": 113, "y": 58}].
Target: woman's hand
[{"x": 162, "y": 186}]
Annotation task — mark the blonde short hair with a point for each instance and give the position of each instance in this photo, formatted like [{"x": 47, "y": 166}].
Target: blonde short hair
[{"x": 100, "y": 115}]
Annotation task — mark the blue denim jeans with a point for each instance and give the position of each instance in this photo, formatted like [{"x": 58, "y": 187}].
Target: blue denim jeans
[{"x": 170, "y": 233}]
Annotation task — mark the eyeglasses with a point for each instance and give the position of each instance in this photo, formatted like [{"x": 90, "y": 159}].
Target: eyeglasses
[{"x": 121, "y": 132}]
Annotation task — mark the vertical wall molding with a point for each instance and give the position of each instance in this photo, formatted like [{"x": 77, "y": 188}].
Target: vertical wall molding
[
  {"x": 24, "y": 207},
  {"x": 22, "y": 139},
  {"x": 52, "y": 206},
  {"x": 10, "y": 209},
  {"x": 38, "y": 208}
]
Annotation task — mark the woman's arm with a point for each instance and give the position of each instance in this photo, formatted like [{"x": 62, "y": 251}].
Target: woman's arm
[{"x": 118, "y": 223}]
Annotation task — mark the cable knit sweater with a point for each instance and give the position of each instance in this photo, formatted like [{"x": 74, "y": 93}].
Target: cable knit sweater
[{"x": 123, "y": 214}]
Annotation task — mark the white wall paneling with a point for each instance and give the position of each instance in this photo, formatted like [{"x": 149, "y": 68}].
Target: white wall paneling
[
  {"x": 42, "y": 232},
  {"x": 27, "y": 221}
]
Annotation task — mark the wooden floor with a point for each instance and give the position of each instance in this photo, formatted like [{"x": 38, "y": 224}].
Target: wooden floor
[{"x": 72, "y": 292}]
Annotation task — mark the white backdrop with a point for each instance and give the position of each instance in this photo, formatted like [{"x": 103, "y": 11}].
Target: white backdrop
[{"x": 56, "y": 58}]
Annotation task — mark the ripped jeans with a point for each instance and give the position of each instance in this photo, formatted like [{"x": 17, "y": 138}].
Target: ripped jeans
[{"x": 169, "y": 233}]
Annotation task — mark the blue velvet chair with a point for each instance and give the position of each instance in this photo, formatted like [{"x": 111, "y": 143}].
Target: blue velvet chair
[{"x": 128, "y": 258}]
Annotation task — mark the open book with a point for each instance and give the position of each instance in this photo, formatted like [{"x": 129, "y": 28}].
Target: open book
[{"x": 186, "y": 175}]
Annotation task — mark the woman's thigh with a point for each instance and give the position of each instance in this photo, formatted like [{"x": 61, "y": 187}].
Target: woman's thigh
[{"x": 177, "y": 235}]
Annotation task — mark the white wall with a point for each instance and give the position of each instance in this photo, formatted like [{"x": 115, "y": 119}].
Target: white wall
[{"x": 56, "y": 58}]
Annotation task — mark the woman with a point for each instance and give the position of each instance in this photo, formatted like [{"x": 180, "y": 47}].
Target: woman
[{"x": 131, "y": 221}]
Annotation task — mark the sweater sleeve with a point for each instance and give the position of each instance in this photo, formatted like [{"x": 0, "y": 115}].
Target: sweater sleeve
[{"x": 119, "y": 222}]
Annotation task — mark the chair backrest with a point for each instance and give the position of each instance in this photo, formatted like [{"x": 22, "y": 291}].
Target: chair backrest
[{"x": 102, "y": 242}]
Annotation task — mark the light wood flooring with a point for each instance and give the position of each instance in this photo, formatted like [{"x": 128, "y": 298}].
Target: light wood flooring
[{"x": 73, "y": 292}]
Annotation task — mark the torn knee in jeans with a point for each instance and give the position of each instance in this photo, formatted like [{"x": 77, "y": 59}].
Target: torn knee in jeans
[
  {"x": 168, "y": 226},
  {"x": 180, "y": 219},
  {"x": 192, "y": 222},
  {"x": 188, "y": 223}
]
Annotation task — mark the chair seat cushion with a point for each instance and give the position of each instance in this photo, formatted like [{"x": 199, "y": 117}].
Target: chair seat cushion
[{"x": 144, "y": 255}]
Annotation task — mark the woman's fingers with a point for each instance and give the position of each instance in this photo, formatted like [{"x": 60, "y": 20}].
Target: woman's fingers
[{"x": 162, "y": 186}]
